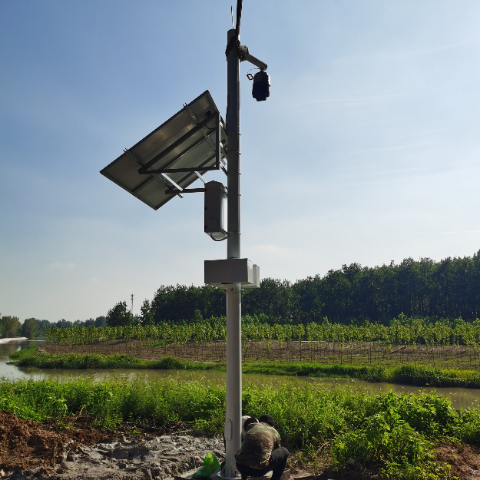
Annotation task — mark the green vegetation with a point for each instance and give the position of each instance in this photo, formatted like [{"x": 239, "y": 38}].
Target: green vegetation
[
  {"x": 404, "y": 374},
  {"x": 452, "y": 344},
  {"x": 449, "y": 288},
  {"x": 392, "y": 432},
  {"x": 120, "y": 316},
  {"x": 9, "y": 327},
  {"x": 78, "y": 361},
  {"x": 404, "y": 331},
  {"x": 33, "y": 328},
  {"x": 23, "y": 353}
]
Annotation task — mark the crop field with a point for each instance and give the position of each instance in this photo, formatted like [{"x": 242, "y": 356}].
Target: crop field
[{"x": 439, "y": 345}]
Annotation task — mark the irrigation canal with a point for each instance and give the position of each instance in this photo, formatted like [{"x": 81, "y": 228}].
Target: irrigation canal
[{"x": 460, "y": 397}]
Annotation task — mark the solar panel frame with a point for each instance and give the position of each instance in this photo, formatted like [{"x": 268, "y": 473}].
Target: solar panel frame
[{"x": 168, "y": 157}]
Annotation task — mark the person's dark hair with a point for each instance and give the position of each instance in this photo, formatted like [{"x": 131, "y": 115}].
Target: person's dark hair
[
  {"x": 248, "y": 422},
  {"x": 267, "y": 419}
]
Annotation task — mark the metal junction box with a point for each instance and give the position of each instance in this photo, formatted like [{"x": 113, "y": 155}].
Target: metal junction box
[
  {"x": 215, "y": 210},
  {"x": 236, "y": 270}
]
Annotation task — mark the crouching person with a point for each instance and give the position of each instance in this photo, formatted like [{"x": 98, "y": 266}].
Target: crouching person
[{"x": 261, "y": 451}]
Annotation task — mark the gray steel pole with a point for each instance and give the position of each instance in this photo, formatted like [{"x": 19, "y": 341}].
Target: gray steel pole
[
  {"x": 233, "y": 157},
  {"x": 233, "y": 429}
]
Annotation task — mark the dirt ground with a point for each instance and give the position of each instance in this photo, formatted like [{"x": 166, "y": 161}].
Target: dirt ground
[
  {"x": 25, "y": 444},
  {"x": 39, "y": 449},
  {"x": 28, "y": 445},
  {"x": 451, "y": 356}
]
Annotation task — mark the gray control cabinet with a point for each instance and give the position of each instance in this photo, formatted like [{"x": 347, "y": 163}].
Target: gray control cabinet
[{"x": 234, "y": 270}]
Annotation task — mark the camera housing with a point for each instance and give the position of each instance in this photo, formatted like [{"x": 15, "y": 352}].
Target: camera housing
[{"x": 261, "y": 86}]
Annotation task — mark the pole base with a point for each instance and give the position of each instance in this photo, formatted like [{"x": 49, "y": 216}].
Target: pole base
[{"x": 220, "y": 474}]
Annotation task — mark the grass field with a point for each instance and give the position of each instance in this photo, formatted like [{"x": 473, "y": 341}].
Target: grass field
[{"x": 394, "y": 434}]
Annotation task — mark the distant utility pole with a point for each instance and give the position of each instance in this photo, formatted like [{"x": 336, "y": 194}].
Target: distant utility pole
[{"x": 131, "y": 311}]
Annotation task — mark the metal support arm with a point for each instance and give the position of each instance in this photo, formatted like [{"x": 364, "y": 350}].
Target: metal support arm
[{"x": 245, "y": 55}]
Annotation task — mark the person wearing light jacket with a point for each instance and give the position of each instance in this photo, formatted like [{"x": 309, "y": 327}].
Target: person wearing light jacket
[{"x": 261, "y": 451}]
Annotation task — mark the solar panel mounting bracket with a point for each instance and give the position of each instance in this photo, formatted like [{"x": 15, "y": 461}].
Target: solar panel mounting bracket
[
  {"x": 185, "y": 190},
  {"x": 219, "y": 164}
]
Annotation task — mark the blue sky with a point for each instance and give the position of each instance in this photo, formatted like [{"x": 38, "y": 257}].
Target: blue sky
[{"x": 367, "y": 150}]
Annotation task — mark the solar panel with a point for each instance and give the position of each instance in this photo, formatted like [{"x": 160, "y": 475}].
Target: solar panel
[{"x": 168, "y": 160}]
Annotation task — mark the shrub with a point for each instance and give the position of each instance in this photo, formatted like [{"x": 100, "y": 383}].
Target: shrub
[{"x": 391, "y": 444}]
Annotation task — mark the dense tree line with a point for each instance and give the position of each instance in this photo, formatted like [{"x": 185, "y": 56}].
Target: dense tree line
[
  {"x": 446, "y": 289},
  {"x": 353, "y": 294},
  {"x": 33, "y": 328}
]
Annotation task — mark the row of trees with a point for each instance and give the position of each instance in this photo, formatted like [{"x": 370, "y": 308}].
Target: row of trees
[
  {"x": 33, "y": 328},
  {"x": 446, "y": 289},
  {"x": 9, "y": 327},
  {"x": 403, "y": 330}
]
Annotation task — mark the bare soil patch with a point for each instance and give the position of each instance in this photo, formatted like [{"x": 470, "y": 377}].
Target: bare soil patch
[
  {"x": 28, "y": 445},
  {"x": 25, "y": 444},
  {"x": 464, "y": 460}
]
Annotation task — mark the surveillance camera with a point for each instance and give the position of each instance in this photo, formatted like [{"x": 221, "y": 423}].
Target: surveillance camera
[{"x": 261, "y": 86}]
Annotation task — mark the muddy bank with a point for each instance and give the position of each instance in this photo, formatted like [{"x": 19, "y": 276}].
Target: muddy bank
[
  {"x": 76, "y": 449},
  {"x": 159, "y": 458}
]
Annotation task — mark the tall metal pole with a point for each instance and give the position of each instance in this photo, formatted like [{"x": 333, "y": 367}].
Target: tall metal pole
[{"x": 233, "y": 430}]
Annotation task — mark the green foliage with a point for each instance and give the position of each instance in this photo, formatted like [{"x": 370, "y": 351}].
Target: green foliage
[
  {"x": 78, "y": 361},
  {"x": 119, "y": 316},
  {"x": 23, "y": 353},
  {"x": 468, "y": 426},
  {"x": 404, "y": 375},
  {"x": 147, "y": 316},
  {"x": 31, "y": 328},
  {"x": 416, "y": 331},
  {"x": 434, "y": 377},
  {"x": 9, "y": 327},
  {"x": 169, "y": 363},
  {"x": 101, "y": 321},
  {"x": 28, "y": 358},
  {"x": 446, "y": 289},
  {"x": 388, "y": 442},
  {"x": 395, "y": 434}
]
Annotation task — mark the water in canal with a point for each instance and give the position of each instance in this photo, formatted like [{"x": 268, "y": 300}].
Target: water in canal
[{"x": 461, "y": 397}]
